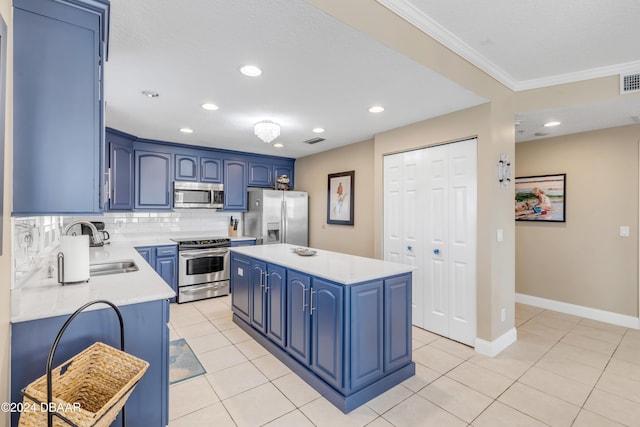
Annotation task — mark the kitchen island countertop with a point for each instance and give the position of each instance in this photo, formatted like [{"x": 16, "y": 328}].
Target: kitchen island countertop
[
  {"x": 338, "y": 267},
  {"x": 42, "y": 297}
]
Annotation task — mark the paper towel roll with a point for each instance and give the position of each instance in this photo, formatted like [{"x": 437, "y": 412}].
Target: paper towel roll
[{"x": 75, "y": 261}]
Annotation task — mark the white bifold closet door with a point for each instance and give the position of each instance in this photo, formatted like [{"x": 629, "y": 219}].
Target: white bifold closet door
[{"x": 430, "y": 216}]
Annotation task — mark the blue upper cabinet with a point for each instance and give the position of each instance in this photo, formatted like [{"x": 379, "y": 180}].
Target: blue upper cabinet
[
  {"x": 210, "y": 170},
  {"x": 235, "y": 185},
  {"x": 186, "y": 167},
  {"x": 152, "y": 180},
  {"x": 120, "y": 174},
  {"x": 265, "y": 172},
  {"x": 261, "y": 174},
  {"x": 58, "y": 106}
]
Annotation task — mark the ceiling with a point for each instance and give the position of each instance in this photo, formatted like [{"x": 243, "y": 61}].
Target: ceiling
[{"x": 319, "y": 72}]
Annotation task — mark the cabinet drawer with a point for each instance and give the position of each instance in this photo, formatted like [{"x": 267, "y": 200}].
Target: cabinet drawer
[{"x": 167, "y": 250}]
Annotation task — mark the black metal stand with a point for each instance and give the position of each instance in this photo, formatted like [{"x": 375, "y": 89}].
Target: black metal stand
[{"x": 52, "y": 351}]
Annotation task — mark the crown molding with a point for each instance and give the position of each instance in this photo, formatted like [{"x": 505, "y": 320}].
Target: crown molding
[{"x": 410, "y": 13}]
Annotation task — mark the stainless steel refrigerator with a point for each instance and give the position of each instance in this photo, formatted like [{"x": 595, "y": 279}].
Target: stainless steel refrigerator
[{"x": 276, "y": 216}]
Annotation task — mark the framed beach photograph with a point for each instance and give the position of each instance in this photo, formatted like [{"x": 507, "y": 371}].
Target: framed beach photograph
[
  {"x": 541, "y": 198},
  {"x": 340, "y": 198}
]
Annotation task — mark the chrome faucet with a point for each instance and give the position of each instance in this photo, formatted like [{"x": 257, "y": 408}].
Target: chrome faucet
[{"x": 96, "y": 237}]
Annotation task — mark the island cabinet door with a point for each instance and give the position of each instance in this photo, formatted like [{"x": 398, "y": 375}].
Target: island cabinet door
[
  {"x": 240, "y": 286},
  {"x": 365, "y": 333},
  {"x": 397, "y": 322},
  {"x": 276, "y": 297},
  {"x": 258, "y": 295},
  {"x": 298, "y": 325},
  {"x": 327, "y": 314}
]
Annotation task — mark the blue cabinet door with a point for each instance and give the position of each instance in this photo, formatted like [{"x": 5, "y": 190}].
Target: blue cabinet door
[
  {"x": 260, "y": 174},
  {"x": 326, "y": 331},
  {"x": 166, "y": 265},
  {"x": 242, "y": 289},
  {"x": 258, "y": 292},
  {"x": 186, "y": 167},
  {"x": 235, "y": 185},
  {"x": 366, "y": 330},
  {"x": 397, "y": 322},
  {"x": 210, "y": 170},
  {"x": 152, "y": 180},
  {"x": 146, "y": 337},
  {"x": 276, "y": 297},
  {"x": 147, "y": 253},
  {"x": 120, "y": 176},
  {"x": 298, "y": 325},
  {"x": 57, "y": 108}
]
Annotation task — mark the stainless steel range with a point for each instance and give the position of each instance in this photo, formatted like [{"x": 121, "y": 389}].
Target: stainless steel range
[{"x": 203, "y": 268}]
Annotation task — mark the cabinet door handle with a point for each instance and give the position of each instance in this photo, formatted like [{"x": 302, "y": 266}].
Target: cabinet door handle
[
  {"x": 304, "y": 298},
  {"x": 312, "y": 307},
  {"x": 266, "y": 282}
]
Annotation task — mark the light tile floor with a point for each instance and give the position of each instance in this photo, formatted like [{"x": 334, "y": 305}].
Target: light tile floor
[{"x": 562, "y": 371}]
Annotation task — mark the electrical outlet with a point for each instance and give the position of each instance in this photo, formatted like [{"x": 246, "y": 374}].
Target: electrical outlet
[{"x": 503, "y": 314}]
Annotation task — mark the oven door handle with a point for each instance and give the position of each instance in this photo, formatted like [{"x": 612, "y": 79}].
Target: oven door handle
[
  {"x": 192, "y": 289},
  {"x": 206, "y": 253}
]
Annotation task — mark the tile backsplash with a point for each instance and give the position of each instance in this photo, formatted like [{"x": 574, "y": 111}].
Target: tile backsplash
[{"x": 34, "y": 238}]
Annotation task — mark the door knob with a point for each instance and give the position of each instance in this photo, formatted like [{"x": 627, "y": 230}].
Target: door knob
[{"x": 436, "y": 251}]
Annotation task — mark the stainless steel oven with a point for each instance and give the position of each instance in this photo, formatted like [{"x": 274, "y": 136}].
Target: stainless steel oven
[{"x": 203, "y": 268}]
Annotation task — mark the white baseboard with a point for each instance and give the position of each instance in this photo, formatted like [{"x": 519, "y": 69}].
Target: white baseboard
[
  {"x": 492, "y": 348},
  {"x": 578, "y": 310}
]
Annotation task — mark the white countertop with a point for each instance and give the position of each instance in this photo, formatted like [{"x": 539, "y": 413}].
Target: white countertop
[
  {"x": 41, "y": 297},
  {"x": 334, "y": 266}
]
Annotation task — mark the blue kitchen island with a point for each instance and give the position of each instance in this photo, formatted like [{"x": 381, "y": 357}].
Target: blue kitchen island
[{"x": 340, "y": 322}]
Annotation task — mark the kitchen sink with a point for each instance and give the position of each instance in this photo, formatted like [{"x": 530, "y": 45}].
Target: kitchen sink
[{"x": 115, "y": 267}]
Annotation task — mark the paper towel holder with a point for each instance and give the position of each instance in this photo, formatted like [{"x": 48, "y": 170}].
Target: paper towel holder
[{"x": 61, "y": 271}]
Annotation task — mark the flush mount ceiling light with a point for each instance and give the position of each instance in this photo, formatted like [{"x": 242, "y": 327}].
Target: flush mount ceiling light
[
  {"x": 186, "y": 130},
  {"x": 150, "y": 93},
  {"x": 317, "y": 130},
  {"x": 267, "y": 130},
  {"x": 250, "y": 70},
  {"x": 551, "y": 124},
  {"x": 209, "y": 106},
  {"x": 278, "y": 145},
  {"x": 376, "y": 109}
]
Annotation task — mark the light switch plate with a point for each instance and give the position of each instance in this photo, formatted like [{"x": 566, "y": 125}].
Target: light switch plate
[
  {"x": 624, "y": 231},
  {"x": 499, "y": 235}
]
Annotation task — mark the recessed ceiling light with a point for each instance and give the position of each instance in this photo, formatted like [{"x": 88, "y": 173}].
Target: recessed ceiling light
[
  {"x": 186, "y": 130},
  {"x": 551, "y": 124},
  {"x": 250, "y": 70},
  {"x": 278, "y": 145},
  {"x": 317, "y": 130},
  {"x": 210, "y": 107},
  {"x": 376, "y": 109},
  {"x": 150, "y": 93}
]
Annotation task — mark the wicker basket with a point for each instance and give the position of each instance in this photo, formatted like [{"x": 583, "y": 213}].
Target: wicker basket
[{"x": 92, "y": 389}]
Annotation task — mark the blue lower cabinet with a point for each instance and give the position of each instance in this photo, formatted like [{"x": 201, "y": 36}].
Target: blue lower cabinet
[
  {"x": 267, "y": 300},
  {"x": 349, "y": 342},
  {"x": 146, "y": 337},
  {"x": 327, "y": 313},
  {"x": 240, "y": 282},
  {"x": 366, "y": 329},
  {"x": 164, "y": 260},
  {"x": 258, "y": 301},
  {"x": 276, "y": 300},
  {"x": 298, "y": 327},
  {"x": 397, "y": 322}
]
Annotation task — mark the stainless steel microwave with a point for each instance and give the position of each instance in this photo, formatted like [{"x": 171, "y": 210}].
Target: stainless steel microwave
[{"x": 187, "y": 194}]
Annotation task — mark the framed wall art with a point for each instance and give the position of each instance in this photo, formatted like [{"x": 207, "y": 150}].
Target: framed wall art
[
  {"x": 541, "y": 198},
  {"x": 340, "y": 198}
]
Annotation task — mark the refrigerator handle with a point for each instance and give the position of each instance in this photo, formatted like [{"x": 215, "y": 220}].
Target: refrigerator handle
[{"x": 284, "y": 221}]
